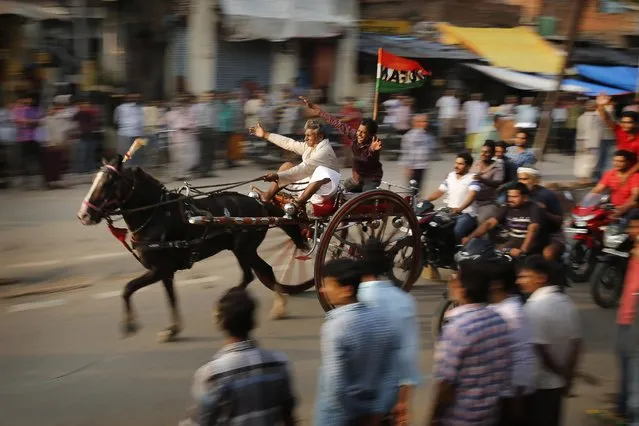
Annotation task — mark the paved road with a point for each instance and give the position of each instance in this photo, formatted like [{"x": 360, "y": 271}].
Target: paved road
[{"x": 62, "y": 361}]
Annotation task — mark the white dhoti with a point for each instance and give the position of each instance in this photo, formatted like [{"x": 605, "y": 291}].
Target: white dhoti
[
  {"x": 183, "y": 152},
  {"x": 326, "y": 191},
  {"x": 585, "y": 163}
]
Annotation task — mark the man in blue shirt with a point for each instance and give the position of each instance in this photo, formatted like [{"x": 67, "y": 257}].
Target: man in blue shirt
[
  {"x": 355, "y": 349},
  {"x": 399, "y": 310}
]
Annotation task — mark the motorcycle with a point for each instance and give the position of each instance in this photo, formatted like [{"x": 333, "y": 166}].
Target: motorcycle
[
  {"x": 436, "y": 234},
  {"x": 585, "y": 229},
  {"x": 607, "y": 281}
]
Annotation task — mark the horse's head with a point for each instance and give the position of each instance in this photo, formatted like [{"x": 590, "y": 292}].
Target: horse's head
[{"x": 106, "y": 193}]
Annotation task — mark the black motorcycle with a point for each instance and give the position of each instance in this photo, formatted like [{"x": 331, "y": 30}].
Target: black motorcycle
[
  {"x": 606, "y": 284},
  {"x": 437, "y": 236}
]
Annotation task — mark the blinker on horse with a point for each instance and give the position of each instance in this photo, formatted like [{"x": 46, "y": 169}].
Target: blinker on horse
[{"x": 164, "y": 240}]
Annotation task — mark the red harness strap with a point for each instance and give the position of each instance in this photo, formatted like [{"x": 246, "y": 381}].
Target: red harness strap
[{"x": 120, "y": 234}]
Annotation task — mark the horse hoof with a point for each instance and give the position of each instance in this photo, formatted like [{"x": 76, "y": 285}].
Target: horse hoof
[
  {"x": 277, "y": 314},
  {"x": 169, "y": 333},
  {"x": 129, "y": 328}
]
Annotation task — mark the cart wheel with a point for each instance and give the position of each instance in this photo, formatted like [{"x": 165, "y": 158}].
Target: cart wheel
[
  {"x": 292, "y": 267},
  {"x": 381, "y": 214}
]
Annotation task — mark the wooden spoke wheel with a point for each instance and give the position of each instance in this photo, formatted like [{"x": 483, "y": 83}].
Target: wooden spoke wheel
[
  {"x": 293, "y": 267},
  {"x": 377, "y": 214}
]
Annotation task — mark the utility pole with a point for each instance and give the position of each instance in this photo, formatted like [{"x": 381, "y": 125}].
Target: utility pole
[{"x": 541, "y": 139}]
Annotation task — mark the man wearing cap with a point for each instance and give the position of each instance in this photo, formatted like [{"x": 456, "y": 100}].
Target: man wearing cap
[
  {"x": 551, "y": 212},
  {"x": 318, "y": 173}
]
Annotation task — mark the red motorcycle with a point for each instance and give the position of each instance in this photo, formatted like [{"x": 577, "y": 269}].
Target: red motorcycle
[{"x": 585, "y": 235}]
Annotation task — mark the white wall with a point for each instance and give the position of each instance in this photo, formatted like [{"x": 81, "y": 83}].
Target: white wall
[
  {"x": 345, "y": 82},
  {"x": 285, "y": 62},
  {"x": 201, "y": 42}
]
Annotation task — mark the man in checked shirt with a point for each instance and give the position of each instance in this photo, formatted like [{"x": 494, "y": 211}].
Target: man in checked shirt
[{"x": 473, "y": 357}]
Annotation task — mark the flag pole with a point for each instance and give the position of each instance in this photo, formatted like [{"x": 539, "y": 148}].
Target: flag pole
[{"x": 377, "y": 79}]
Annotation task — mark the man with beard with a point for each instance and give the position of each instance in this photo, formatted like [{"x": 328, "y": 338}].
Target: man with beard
[
  {"x": 523, "y": 221},
  {"x": 460, "y": 188}
]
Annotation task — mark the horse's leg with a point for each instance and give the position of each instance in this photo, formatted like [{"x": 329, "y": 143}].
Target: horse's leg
[
  {"x": 243, "y": 252},
  {"x": 265, "y": 271},
  {"x": 130, "y": 325},
  {"x": 176, "y": 318}
]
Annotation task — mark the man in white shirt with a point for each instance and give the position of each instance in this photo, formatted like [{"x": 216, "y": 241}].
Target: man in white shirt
[
  {"x": 448, "y": 109},
  {"x": 129, "y": 119},
  {"x": 556, "y": 336},
  {"x": 527, "y": 114},
  {"x": 475, "y": 112},
  {"x": 318, "y": 172},
  {"x": 460, "y": 189},
  {"x": 506, "y": 301},
  {"x": 589, "y": 135}
]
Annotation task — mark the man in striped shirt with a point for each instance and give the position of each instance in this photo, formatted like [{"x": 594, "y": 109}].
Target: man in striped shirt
[
  {"x": 243, "y": 384},
  {"x": 473, "y": 358}
]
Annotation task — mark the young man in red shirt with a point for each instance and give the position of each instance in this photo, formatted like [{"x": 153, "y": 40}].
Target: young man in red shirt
[
  {"x": 626, "y": 131},
  {"x": 622, "y": 183}
]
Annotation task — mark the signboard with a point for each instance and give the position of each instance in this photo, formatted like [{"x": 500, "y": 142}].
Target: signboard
[{"x": 385, "y": 27}]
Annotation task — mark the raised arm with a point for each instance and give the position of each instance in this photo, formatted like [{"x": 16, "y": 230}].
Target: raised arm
[
  {"x": 279, "y": 140},
  {"x": 335, "y": 122},
  {"x": 602, "y": 101}
]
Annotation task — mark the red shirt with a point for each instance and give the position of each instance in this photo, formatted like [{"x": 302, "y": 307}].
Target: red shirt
[
  {"x": 626, "y": 141},
  {"x": 628, "y": 303},
  {"x": 620, "y": 194}
]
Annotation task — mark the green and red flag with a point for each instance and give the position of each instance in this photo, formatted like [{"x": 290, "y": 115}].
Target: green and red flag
[{"x": 395, "y": 74}]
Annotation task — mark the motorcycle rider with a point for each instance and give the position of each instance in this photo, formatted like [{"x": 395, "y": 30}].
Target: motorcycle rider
[
  {"x": 489, "y": 174},
  {"x": 551, "y": 211},
  {"x": 623, "y": 189},
  {"x": 460, "y": 188},
  {"x": 523, "y": 221}
]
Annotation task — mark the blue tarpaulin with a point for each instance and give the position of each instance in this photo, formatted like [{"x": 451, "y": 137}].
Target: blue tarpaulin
[
  {"x": 592, "y": 89},
  {"x": 622, "y": 77}
]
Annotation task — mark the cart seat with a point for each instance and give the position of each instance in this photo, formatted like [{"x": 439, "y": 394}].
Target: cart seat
[{"x": 326, "y": 208}]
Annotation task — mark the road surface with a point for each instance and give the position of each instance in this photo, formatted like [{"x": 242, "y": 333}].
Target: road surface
[{"x": 63, "y": 362}]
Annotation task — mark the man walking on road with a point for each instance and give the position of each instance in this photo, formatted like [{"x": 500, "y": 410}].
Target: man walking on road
[
  {"x": 356, "y": 349},
  {"x": 243, "y": 383}
]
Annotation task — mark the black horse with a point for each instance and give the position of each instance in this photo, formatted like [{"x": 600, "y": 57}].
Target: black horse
[{"x": 164, "y": 240}]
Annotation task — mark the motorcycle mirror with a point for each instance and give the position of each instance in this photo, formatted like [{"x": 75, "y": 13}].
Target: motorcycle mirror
[
  {"x": 568, "y": 195},
  {"x": 605, "y": 199}
]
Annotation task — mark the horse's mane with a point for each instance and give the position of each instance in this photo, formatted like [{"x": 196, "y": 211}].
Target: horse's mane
[{"x": 140, "y": 172}]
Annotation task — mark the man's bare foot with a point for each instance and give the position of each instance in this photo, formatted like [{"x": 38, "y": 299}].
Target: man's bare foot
[{"x": 262, "y": 194}]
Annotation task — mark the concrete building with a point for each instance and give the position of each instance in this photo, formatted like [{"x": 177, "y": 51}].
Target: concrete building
[{"x": 227, "y": 42}]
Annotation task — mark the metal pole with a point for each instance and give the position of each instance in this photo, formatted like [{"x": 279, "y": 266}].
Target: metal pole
[{"x": 541, "y": 139}]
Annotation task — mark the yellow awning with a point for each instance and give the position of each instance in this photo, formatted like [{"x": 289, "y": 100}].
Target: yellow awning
[{"x": 519, "y": 49}]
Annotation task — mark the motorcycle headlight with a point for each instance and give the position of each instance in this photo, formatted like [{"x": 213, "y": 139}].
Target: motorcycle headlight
[{"x": 583, "y": 218}]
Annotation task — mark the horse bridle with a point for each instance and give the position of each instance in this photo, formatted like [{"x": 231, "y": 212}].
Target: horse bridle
[{"x": 113, "y": 171}]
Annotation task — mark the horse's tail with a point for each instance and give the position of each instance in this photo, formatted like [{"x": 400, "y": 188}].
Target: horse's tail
[{"x": 292, "y": 231}]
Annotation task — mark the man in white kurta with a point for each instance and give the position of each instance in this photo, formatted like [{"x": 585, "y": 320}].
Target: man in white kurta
[
  {"x": 319, "y": 168},
  {"x": 183, "y": 149}
]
